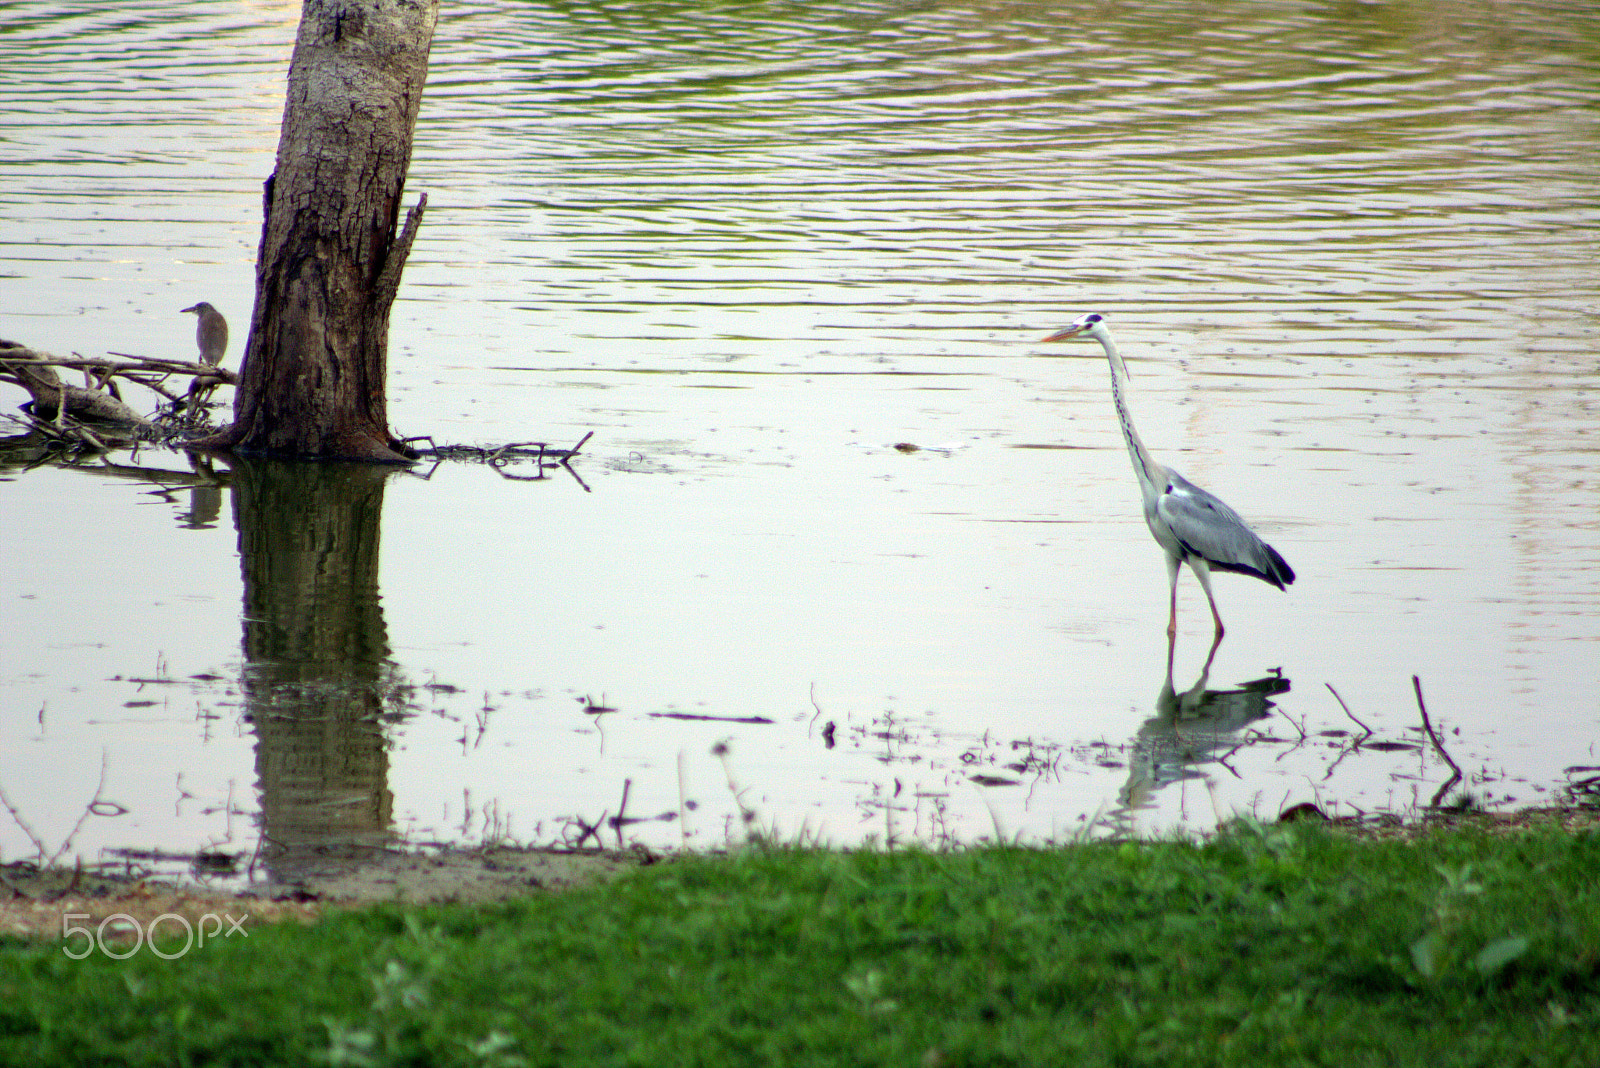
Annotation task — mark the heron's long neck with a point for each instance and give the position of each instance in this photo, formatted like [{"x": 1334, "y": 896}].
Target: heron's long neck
[{"x": 1150, "y": 473}]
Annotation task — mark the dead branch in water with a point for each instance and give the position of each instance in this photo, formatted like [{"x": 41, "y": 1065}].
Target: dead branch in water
[
  {"x": 18, "y": 364},
  {"x": 93, "y": 416},
  {"x": 498, "y": 455},
  {"x": 1367, "y": 731},
  {"x": 501, "y": 457},
  {"x": 97, "y": 806},
  {"x": 1427, "y": 725}
]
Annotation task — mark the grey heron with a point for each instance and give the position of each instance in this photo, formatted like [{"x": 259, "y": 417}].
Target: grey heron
[
  {"x": 1193, "y": 526},
  {"x": 211, "y": 334}
]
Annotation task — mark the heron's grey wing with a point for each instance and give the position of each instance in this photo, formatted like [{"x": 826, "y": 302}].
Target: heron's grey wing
[{"x": 1209, "y": 529}]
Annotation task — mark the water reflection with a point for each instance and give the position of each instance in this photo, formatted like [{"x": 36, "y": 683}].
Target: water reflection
[
  {"x": 1191, "y": 730},
  {"x": 318, "y": 680},
  {"x": 205, "y": 485},
  {"x": 202, "y": 482},
  {"x": 205, "y": 508}
]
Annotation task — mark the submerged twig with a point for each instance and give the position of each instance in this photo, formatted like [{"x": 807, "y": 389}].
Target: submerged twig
[
  {"x": 1352, "y": 715},
  {"x": 747, "y": 815},
  {"x": 587, "y": 831},
  {"x": 1427, "y": 726},
  {"x": 762, "y": 720},
  {"x": 16, "y": 817},
  {"x": 683, "y": 803},
  {"x": 97, "y": 806},
  {"x": 621, "y": 817}
]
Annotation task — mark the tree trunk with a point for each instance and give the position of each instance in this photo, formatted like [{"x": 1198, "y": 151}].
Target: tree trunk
[{"x": 312, "y": 383}]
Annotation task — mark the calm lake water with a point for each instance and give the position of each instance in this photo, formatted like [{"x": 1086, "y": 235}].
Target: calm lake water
[{"x": 1348, "y": 249}]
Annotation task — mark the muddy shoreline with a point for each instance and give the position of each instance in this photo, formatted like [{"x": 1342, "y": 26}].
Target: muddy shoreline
[{"x": 34, "y": 902}]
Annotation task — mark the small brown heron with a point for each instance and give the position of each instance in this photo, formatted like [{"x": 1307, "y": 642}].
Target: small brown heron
[{"x": 212, "y": 333}]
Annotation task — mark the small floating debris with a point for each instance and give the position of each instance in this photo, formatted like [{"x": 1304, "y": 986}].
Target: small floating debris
[
  {"x": 909, "y": 447},
  {"x": 993, "y": 780},
  {"x": 216, "y": 861},
  {"x": 714, "y": 719}
]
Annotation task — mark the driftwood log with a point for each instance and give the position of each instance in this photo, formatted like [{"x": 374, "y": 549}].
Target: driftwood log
[
  {"x": 54, "y": 399},
  {"x": 91, "y": 413},
  {"x": 95, "y": 417}
]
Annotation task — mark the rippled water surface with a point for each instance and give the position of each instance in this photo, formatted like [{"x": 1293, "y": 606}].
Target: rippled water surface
[{"x": 1349, "y": 251}]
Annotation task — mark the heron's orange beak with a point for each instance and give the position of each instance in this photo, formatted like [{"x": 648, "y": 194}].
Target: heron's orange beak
[{"x": 1062, "y": 335}]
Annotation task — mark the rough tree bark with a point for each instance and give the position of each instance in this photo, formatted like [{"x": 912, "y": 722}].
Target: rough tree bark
[{"x": 312, "y": 382}]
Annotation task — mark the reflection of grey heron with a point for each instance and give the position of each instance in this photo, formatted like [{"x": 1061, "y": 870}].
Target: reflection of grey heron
[
  {"x": 1191, "y": 730},
  {"x": 1194, "y": 527},
  {"x": 211, "y": 334}
]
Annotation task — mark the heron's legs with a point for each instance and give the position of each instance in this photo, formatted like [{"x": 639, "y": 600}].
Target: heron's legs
[
  {"x": 1203, "y": 573},
  {"x": 1212, "y": 655},
  {"x": 1172, "y": 618}
]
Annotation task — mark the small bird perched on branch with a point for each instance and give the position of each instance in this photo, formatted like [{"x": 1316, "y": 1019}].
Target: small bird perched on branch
[{"x": 211, "y": 334}]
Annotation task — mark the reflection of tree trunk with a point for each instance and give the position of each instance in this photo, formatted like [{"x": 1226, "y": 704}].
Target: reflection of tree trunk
[
  {"x": 312, "y": 383},
  {"x": 317, "y": 671}
]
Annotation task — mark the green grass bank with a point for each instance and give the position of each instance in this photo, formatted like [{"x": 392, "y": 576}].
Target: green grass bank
[{"x": 1268, "y": 945}]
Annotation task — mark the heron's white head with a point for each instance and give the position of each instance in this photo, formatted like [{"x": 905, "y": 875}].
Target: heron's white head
[{"x": 1084, "y": 324}]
